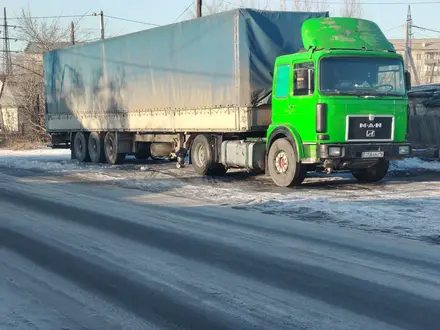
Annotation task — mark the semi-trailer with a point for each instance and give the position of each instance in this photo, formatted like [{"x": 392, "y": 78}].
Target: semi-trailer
[{"x": 285, "y": 92}]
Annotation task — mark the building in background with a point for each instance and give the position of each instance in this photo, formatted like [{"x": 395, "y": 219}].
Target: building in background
[
  {"x": 9, "y": 114},
  {"x": 21, "y": 93},
  {"x": 426, "y": 55}
]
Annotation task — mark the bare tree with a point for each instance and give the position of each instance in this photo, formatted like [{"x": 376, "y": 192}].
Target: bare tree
[
  {"x": 352, "y": 8},
  {"x": 48, "y": 34},
  {"x": 26, "y": 81},
  {"x": 310, "y": 5},
  {"x": 209, "y": 8},
  {"x": 215, "y": 6},
  {"x": 257, "y": 4},
  {"x": 218, "y": 6}
]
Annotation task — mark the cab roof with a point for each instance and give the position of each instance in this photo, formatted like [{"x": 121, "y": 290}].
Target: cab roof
[{"x": 344, "y": 33}]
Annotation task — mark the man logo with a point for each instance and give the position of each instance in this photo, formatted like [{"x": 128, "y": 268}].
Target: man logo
[{"x": 371, "y": 133}]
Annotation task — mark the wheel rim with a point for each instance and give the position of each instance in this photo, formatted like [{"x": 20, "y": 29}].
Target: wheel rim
[
  {"x": 200, "y": 155},
  {"x": 79, "y": 147},
  {"x": 111, "y": 149},
  {"x": 94, "y": 146},
  {"x": 281, "y": 162}
]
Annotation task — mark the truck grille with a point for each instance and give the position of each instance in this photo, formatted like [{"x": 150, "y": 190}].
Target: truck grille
[{"x": 366, "y": 128}]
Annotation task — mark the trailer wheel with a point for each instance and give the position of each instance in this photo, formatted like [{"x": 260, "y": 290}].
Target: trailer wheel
[
  {"x": 283, "y": 165},
  {"x": 111, "y": 150},
  {"x": 80, "y": 147},
  {"x": 96, "y": 147},
  {"x": 374, "y": 173}
]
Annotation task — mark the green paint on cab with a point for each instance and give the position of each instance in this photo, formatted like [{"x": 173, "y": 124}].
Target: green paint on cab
[
  {"x": 344, "y": 33},
  {"x": 331, "y": 93}
]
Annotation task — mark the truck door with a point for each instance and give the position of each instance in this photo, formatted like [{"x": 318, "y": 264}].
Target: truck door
[{"x": 302, "y": 100}]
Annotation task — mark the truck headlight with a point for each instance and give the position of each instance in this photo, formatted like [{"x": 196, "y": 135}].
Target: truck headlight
[
  {"x": 334, "y": 151},
  {"x": 404, "y": 150}
]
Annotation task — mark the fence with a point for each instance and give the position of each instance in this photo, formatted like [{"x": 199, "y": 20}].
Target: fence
[{"x": 424, "y": 116}]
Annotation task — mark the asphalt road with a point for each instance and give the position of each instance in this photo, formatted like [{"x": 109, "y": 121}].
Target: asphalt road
[{"x": 84, "y": 255}]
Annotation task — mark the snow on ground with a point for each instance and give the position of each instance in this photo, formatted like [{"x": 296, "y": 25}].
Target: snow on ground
[
  {"x": 405, "y": 204},
  {"x": 40, "y": 159},
  {"x": 415, "y": 164}
]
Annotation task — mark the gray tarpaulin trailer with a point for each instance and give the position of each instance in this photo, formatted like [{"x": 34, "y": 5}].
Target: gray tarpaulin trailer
[{"x": 150, "y": 92}]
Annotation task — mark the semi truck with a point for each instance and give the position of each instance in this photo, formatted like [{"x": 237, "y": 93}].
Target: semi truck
[{"x": 276, "y": 91}]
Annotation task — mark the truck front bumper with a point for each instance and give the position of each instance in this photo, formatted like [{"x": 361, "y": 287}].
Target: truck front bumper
[{"x": 364, "y": 151}]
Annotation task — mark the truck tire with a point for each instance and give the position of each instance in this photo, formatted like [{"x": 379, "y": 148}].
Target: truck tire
[
  {"x": 111, "y": 150},
  {"x": 96, "y": 147},
  {"x": 283, "y": 165},
  {"x": 202, "y": 157},
  {"x": 142, "y": 151},
  {"x": 374, "y": 173},
  {"x": 80, "y": 147}
]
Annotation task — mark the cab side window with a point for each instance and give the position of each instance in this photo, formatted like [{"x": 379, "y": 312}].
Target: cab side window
[
  {"x": 282, "y": 81},
  {"x": 303, "y": 79}
]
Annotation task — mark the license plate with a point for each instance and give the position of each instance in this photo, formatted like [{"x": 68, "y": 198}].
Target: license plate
[{"x": 373, "y": 154}]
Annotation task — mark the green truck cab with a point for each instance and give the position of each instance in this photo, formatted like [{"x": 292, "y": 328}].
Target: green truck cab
[{"x": 341, "y": 103}]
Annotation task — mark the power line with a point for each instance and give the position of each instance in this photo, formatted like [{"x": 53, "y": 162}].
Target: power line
[
  {"x": 183, "y": 12},
  {"x": 362, "y": 3},
  {"x": 423, "y": 35},
  {"x": 396, "y": 27},
  {"x": 85, "y": 15},
  {"x": 51, "y": 17},
  {"x": 425, "y": 29},
  {"x": 132, "y": 21}
]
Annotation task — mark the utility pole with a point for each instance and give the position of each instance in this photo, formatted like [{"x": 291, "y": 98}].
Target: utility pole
[
  {"x": 72, "y": 33},
  {"x": 101, "y": 22},
  {"x": 408, "y": 33},
  {"x": 408, "y": 58},
  {"x": 199, "y": 8},
  {"x": 6, "y": 47}
]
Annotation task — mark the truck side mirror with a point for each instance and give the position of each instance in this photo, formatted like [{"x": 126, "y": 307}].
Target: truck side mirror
[{"x": 407, "y": 80}]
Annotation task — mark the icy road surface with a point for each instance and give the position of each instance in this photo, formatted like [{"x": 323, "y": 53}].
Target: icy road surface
[
  {"x": 405, "y": 204},
  {"x": 82, "y": 254},
  {"x": 140, "y": 247}
]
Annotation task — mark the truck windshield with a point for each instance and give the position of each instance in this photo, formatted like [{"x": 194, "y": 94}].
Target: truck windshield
[{"x": 361, "y": 76}]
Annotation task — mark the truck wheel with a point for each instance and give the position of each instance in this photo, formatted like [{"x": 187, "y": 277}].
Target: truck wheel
[
  {"x": 201, "y": 154},
  {"x": 96, "y": 147},
  {"x": 202, "y": 157},
  {"x": 283, "y": 165},
  {"x": 80, "y": 147},
  {"x": 111, "y": 150},
  {"x": 142, "y": 151},
  {"x": 374, "y": 173}
]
